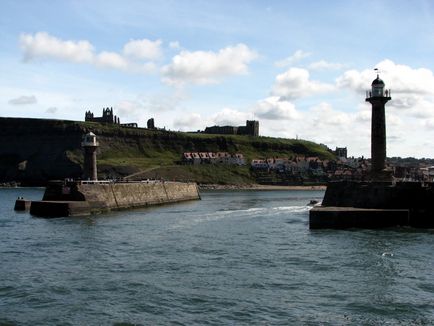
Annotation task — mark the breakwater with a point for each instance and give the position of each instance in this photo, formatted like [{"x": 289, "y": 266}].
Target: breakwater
[
  {"x": 81, "y": 198},
  {"x": 374, "y": 205}
]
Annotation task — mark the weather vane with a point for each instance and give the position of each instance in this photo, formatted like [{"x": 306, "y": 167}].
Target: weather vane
[{"x": 377, "y": 71}]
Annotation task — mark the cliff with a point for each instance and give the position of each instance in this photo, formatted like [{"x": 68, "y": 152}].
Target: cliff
[{"x": 33, "y": 151}]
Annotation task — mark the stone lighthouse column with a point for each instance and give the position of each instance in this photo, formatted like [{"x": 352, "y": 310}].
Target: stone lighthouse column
[
  {"x": 90, "y": 146},
  {"x": 378, "y": 97}
]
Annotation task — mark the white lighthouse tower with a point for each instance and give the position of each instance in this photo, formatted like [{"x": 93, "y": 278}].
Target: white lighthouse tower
[{"x": 90, "y": 146}]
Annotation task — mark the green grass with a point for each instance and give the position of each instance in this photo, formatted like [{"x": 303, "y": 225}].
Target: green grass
[
  {"x": 133, "y": 150},
  {"x": 206, "y": 173}
]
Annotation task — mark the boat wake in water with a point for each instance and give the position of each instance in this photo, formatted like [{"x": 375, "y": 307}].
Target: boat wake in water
[{"x": 236, "y": 258}]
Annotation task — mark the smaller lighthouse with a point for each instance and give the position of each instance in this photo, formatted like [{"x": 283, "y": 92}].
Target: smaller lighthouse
[
  {"x": 90, "y": 146},
  {"x": 378, "y": 97}
]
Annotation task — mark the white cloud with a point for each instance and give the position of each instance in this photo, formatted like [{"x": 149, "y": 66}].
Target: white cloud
[
  {"x": 407, "y": 102},
  {"x": 163, "y": 106},
  {"x": 401, "y": 78},
  {"x": 296, "y": 57},
  {"x": 206, "y": 67},
  {"x": 327, "y": 124},
  {"x": 230, "y": 117},
  {"x": 23, "y": 100},
  {"x": 424, "y": 109},
  {"x": 165, "y": 101},
  {"x": 137, "y": 55},
  {"x": 189, "y": 122},
  {"x": 411, "y": 89},
  {"x": 146, "y": 68},
  {"x": 404, "y": 79},
  {"x": 129, "y": 109},
  {"x": 111, "y": 60},
  {"x": 295, "y": 83},
  {"x": 174, "y": 45},
  {"x": 323, "y": 124},
  {"x": 143, "y": 49},
  {"x": 363, "y": 116},
  {"x": 429, "y": 124},
  {"x": 393, "y": 119},
  {"x": 354, "y": 80},
  {"x": 324, "y": 65},
  {"x": 324, "y": 114},
  {"x": 44, "y": 46},
  {"x": 272, "y": 108}
]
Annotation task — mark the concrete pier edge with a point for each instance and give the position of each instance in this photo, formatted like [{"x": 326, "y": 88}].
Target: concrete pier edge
[
  {"x": 374, "y": 205},
  {"x": 80, "y": 199}
]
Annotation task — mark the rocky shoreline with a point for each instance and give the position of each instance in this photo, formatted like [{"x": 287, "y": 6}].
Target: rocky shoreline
[{"x": 255, "y": 187}]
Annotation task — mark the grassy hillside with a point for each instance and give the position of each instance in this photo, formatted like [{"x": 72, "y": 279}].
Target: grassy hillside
[
  {"x": 147, "y": 148},
  {"x": 125, "y": 151}
]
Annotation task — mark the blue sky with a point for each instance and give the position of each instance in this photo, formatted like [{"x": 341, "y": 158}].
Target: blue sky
[{"x": 299, "y": 67}]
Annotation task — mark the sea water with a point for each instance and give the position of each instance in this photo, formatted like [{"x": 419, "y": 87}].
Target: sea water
[{"x": 233, "y": 258}]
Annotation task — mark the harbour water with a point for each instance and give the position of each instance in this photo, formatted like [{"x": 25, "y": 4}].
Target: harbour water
[{"x": 233, "y": 258}]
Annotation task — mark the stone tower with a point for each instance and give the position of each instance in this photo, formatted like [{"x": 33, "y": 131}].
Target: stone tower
[
  {"x": 90, "y": 146},
  {"x": 378, "y": 97},
  {"x": 151, "y": 123},
  {"x": 252, "y": 127}
]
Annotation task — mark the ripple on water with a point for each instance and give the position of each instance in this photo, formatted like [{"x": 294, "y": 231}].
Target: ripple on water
[{"x": 232, "y": 258}]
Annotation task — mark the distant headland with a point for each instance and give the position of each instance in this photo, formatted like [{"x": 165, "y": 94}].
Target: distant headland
[{"x": 34, "y": 151}]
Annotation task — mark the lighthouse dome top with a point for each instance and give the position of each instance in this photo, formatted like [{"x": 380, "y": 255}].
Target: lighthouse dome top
[
  {"x": 89, "y": 140},
  {"x": 377, "y": 82}
]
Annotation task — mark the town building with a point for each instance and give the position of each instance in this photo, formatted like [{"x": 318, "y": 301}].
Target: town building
[{"x": 195, "y": 158}]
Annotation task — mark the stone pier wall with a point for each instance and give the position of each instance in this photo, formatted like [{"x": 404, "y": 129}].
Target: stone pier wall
[
  {"x": 382, "y": 195},
  {"x": 375, "y": 205},
  {"x": 128, "y": 195}
]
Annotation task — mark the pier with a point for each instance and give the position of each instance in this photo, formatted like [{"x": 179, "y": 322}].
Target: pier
[{"x": 75, "y": 198}]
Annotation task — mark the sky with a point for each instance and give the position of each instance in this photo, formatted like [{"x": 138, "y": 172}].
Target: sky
[{"x": 301, "y": 68}]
